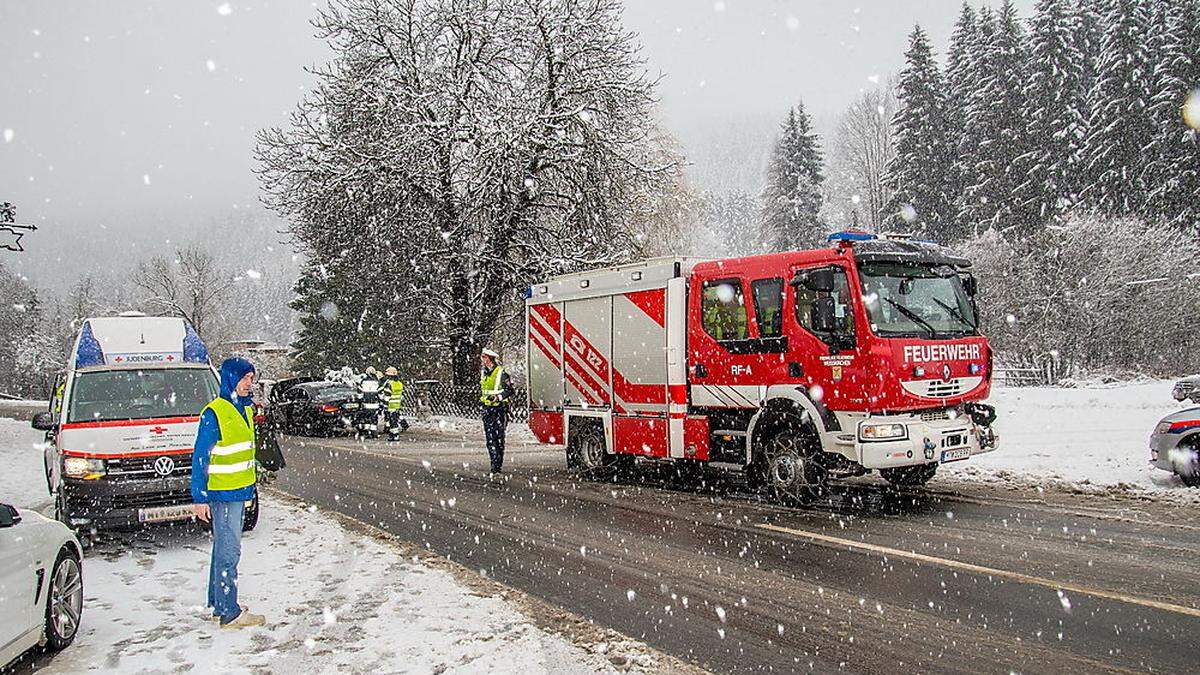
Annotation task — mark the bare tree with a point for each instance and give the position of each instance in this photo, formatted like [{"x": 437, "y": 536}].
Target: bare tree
[
  {"x": 192, "y": 286},
  {"x": 863, "y": 145},
  {"x": 451, "y": 153}
]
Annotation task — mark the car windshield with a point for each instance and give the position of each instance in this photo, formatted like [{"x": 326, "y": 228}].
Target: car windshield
[
  {"x": 910, "y": 300},
  {"x": 141, "y": 394}
]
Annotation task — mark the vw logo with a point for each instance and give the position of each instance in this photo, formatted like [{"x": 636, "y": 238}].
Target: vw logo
[
  {"x": 946, "y": 372},
  {"x": 163, "y": 466}
]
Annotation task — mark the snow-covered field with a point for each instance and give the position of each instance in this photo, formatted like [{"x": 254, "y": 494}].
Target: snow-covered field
[
  {"x": 336, "y": 600},
  {"x": 1091, "y": 438}
]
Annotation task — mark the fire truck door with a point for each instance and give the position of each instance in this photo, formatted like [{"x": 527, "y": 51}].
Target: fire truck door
[{"x": 825, "y": 348}]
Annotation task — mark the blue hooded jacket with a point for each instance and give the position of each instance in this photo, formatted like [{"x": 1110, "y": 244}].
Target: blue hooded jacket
[{"x": 232, "y": 371}]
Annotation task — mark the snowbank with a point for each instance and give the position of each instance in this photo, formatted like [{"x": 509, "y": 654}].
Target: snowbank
[
  {"x": 336, "y": 600},
  {"x": 1090, "y": 439}
]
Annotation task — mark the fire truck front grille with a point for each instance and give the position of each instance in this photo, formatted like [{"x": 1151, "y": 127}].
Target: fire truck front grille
[
  {"x": 935, "y": 415},
  {"x": 941, "y": 388}
]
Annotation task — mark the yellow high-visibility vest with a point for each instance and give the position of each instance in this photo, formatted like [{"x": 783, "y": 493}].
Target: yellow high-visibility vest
[
  {"x": 231, "y": 464},
  {"x": 490, "y": 385}
]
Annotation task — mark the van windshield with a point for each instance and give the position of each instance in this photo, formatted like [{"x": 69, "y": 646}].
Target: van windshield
[{"x": 141, "y": 394}]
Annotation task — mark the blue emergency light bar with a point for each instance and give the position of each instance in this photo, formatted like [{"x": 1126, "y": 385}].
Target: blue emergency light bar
[{"x": 851, "y": 235}]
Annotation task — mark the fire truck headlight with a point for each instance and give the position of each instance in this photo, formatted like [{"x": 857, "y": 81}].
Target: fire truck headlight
[
  {"x": 83, "y": 467},
  {"x": 882, "y": 432}
]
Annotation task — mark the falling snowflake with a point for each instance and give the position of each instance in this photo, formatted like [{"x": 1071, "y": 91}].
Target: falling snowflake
[
  {"x": 718, "y": 6},
  {"x": 145, "y": 179},
  {"x": 1066, "y": 602},
  {"x": 8, "y": 135},
  {"x": 1191, "y": 110},
  {"x": 792, "y": 23},
  {"x": 721, "y": 613},
  {"x": 254, "y": 274},
  {"x": 211, "y": 65},
  {"x": 630, "y": 594},
  {"x": 908, "y": 212},
  {"x": 224, "y": 9}
]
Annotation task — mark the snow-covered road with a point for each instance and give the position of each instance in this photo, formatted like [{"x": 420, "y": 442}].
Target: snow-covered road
[{"x": 336, "y": 599}]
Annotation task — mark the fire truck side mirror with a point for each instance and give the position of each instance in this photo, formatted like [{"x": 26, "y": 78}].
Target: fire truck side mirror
[
  {"x": 969, "y": 284},
  {"x": 820, "y": 281}
]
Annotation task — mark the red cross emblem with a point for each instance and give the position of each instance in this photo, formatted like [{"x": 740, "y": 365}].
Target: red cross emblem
[
  {"x": 158, "y": 430},
  {"x": 170, "y": 357},
  {"x": 119, "y": 359}
]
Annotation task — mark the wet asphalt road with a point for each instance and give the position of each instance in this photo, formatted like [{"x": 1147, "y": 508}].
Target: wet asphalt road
[{"x": 956, "y": 578}]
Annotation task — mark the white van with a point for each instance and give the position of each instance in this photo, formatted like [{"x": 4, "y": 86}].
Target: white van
[{"x": 122, "y": 422}]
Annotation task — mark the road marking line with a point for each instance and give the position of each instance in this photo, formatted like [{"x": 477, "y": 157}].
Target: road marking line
[{"x": 979, "y": 569}]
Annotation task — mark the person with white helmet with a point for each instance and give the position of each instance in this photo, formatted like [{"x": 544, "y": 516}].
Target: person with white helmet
[
  {"x": 496, "y": 391},
  {"x": 392, "y": 392}
]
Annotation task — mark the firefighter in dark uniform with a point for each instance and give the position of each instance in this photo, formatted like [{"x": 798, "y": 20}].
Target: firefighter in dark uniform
[{"x": 496, "y": 391}]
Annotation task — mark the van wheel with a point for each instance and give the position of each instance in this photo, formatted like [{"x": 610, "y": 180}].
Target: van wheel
[
  {"x": 250, "y": 517},
  {"x": 64, "y": 601},
  {"x": 586, "y": 454},
  {"x": 1190, "y": 475},
  {"x": 793, "y": 469},
  {"x": 909, "y": 476}
]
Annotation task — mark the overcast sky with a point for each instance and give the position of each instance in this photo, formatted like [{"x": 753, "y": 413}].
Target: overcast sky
[{"x": 140, "y": 116}]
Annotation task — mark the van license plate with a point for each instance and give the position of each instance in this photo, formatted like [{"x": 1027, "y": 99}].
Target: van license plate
[
  {"x": 160, "y": 514},
  {"x": 955, "y": 455}
]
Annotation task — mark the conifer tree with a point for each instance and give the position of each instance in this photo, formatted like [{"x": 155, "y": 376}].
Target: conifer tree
[
  {"x": 960, "y": 81},
  {"x": 1053, "y": 115},
  {"x": 1120, "y": 128},
  {"x": 922, "y": 170},
  {"x": 792, "y": 197},
  {"x": 1172, "y": 175}
]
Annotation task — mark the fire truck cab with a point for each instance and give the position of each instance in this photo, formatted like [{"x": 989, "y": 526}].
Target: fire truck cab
[{"x": 794, "y": 367}]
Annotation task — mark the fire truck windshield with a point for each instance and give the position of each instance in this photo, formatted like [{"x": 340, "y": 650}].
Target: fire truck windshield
[
  {"x": 908, "y": 300},
  {"x": 141, "y": 394}
]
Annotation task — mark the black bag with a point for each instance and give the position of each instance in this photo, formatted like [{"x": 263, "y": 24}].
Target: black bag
[{"x": 268, "y": 453}]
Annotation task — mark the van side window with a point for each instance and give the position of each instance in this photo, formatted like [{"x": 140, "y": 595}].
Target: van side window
[
  {"x": 768, "y": 306},
  {"x": 724, "y": 309},
  {"x": 843, "y": 312}
]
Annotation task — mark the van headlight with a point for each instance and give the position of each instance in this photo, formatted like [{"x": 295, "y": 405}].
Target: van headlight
[
  {"x": 1162, "y": 428},
  {"x": 83, "y": 467},
  {"x": 882, "y": 432}
]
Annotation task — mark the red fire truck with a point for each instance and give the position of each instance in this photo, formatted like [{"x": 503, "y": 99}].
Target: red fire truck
[{"x": 794, "y": 367}]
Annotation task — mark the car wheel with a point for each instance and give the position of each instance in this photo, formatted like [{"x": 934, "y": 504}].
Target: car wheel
[
  {"x": 909, "y": 476},
  {"x": 64, "y": 601},
  {"x": 250, "y": 518}
]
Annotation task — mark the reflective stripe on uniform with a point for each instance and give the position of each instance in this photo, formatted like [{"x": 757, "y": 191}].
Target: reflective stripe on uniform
[
  {"x": 231, "y": 449},
  {"x": 230, "y": 468}
]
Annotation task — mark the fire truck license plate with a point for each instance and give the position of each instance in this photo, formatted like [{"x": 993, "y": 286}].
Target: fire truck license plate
[
  {"x": 955, "y": 455},
  {"x": 159, "y": 514}
]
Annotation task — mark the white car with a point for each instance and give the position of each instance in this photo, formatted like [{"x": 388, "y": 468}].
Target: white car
[{"x": 41, "y": 583}]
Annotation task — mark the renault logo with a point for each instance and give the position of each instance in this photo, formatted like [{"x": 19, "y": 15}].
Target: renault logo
[
  {"x": 946, "y": 372},
  {"x": 163, "y": 466}
]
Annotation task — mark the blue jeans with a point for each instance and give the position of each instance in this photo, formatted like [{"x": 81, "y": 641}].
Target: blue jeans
[{"x": 226, "y": 552}]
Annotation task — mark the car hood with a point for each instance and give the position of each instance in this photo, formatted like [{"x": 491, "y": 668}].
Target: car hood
[{"x": 1189, "y": 413}]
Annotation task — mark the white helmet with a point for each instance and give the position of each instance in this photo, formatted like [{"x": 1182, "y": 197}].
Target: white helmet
[{"x": 491, "y": 353}]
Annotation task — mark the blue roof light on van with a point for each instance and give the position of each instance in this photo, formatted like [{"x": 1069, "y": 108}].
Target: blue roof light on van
[
  {"x": 89, "y": 352},
  {"x": 851, "y": 235},
  {"x": 194, "y": 350}
]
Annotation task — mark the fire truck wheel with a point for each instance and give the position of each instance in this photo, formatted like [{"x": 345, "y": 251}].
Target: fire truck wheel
[
  {"x": 909, "y": 476},
  {"x": 793, "y": 471},
  {"x": 586, "y": 454}
]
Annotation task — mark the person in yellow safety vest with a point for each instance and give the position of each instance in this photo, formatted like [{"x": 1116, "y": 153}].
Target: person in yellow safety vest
[
  {"x": 392, "y": 392},
  {"x": 58, "y": 394},
  {"x": 223, "y": 477},
  {"x": 724, "y": 320},
  {"x": 495, "y": 392}
]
